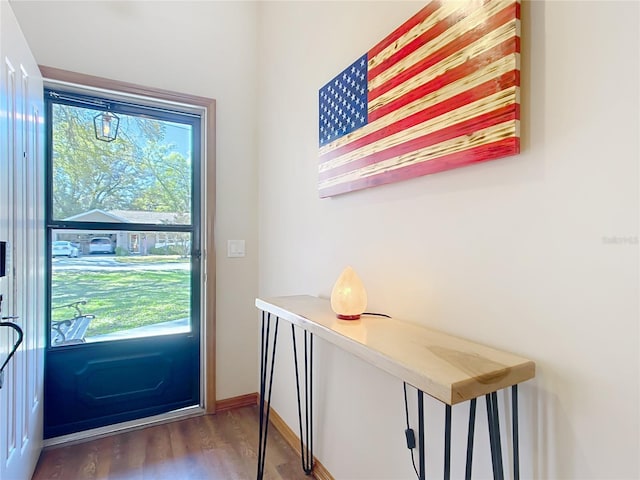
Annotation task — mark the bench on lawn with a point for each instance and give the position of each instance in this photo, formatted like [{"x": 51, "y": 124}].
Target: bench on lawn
[{"x": 71, "y": 331}]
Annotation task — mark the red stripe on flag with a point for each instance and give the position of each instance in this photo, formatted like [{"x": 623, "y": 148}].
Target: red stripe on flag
[
  {"x": 467, "y": 127},
  {"x": 500, "y": 18},
  {"x": 490, "y": 87},
  {"x": 501, "y": 148},
  {"x": 418, "y": 18},
  {"x": 472, "y": 65},
  {"x": 440, "y": 27}
]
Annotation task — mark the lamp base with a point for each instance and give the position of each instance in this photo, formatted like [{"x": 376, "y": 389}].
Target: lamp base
[{"x": 347, "y": 317}]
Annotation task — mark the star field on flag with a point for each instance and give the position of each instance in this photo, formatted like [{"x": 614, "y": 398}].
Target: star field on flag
[{"x": 343, "y": 102}]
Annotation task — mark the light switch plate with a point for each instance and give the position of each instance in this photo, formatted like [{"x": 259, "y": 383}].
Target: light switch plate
[{"x": 235, "y": 248}]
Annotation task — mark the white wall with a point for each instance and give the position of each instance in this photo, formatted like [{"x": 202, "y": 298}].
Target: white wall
[
  {"x": 200, "y": 48},
  {"x": 536, "y": 254}
]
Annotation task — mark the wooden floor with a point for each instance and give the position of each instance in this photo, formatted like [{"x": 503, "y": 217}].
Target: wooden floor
[{"x": 211, "y": 447}]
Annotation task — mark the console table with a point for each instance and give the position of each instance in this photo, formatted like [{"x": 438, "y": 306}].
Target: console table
[{"x": 447, "y": 368}]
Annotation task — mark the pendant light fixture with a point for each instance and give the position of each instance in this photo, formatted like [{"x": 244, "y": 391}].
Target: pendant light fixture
[{"x": 106, "y": 126}]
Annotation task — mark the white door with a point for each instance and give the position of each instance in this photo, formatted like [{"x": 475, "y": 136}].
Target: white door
[{"x": 22, "y": 227}]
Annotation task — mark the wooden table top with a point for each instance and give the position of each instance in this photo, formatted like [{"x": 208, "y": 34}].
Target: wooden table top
[{"x": 448, "y": 368}]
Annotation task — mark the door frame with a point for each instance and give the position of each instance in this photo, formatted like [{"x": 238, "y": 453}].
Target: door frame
[{"x": 56, "y": 76}]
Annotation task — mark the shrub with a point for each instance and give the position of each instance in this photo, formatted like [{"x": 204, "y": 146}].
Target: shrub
[
  {"x": 167, "y": 250},
  {"x": 122, "y": 252}
]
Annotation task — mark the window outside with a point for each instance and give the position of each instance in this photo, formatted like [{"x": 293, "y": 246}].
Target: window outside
[{"x": 132, "y": 279}]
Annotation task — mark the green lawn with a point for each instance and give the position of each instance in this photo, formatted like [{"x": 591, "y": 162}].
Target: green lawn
[
  {"x": 152, "y": 259},
  {"x": 122, "y": 299}
]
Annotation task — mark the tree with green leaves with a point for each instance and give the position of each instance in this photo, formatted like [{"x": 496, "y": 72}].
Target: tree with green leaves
[{"x": 140, "y": 170}]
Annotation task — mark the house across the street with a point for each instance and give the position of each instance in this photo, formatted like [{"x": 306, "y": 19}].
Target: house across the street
[{"x": 128, "y": 242}]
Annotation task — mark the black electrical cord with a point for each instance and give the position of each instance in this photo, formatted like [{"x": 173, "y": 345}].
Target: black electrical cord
[
  {"x": 377, "y": 314},
  {"x": 411, "y": 439}
]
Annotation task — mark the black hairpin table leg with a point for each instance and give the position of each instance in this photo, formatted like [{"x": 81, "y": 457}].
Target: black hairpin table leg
[
  {"x": 306, "y": 434},
  {"x": 447, "y": 442},
  {"x": 266, "y": 382},
  {"x": 472, "y": 425},
  {"x": 422, "y": 454},
  {"x": 516, "y": 444},
  {"x": 421, "y": 446},
  {"x": 494, "y": 435}
]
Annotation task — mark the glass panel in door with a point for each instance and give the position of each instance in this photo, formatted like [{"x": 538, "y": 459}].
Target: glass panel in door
[{"x": 101, "y": 291}]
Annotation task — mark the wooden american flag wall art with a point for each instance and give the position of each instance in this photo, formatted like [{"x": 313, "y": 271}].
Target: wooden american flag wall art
[{"x": 440, "y": 92}]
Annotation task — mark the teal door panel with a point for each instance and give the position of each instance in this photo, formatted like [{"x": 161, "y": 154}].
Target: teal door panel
[{"x": 119, "y": 381}]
